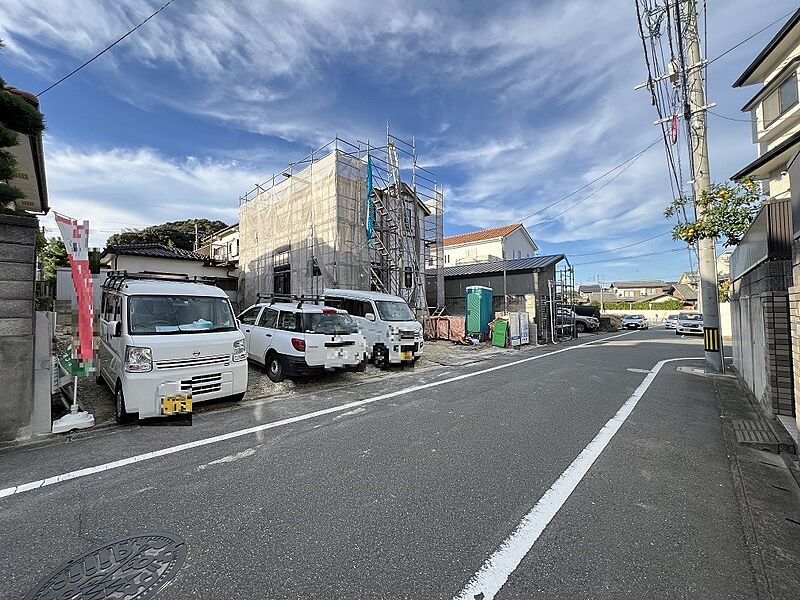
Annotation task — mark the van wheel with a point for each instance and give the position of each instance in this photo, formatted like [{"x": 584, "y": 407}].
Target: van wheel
[
  {"x": 236, "y": 397},
  {"x": 274, "y": 368},
  {"x": 121, "y": 414},
  {"x": 580, "y": 327}
]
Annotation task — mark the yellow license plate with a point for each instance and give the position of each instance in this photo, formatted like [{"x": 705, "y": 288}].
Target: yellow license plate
[
  {"x": 171, "y": 405},
  {"x": 407, "y": 355}
]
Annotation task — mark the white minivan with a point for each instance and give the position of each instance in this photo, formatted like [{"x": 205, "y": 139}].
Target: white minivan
[
  {"x": 167, "y": 342},
  {"x": 387, "y": 323}
]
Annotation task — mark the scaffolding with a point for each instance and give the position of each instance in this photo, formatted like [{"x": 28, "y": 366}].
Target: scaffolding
[
  {"x": 308, "y": 227},
  {"x": 559, "y": 317}
]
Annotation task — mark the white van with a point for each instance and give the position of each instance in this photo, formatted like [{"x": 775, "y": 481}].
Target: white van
[
  {"x": 301, "y": 338},
  {"x": 166, "y": 342},
  {"x": 392, "y": 333}
]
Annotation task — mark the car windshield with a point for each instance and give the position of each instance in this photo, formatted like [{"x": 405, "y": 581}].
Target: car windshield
[
  {"x": 329, "y": 323},
  {"x": 690, "y": 317},
  {"x": 155, "y": 315},
  {"x": 390, "y": 310},
  {"x": 672, "y": 317}
]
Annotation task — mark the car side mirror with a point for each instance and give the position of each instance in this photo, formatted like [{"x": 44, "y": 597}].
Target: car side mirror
[
  {"x": 114, "y": 328},
  {"x": 369, "y": 317}
]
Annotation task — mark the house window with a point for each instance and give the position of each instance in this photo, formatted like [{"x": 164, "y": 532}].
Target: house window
[{"x": 780, "y": 101}]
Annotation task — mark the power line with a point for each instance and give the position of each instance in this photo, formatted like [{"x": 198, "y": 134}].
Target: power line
[
  {"x": 596, "y": 179},
  {"x": 747, "y": 39},
  {"x": 663, "y": 233},
  {"x": 595, "y": 262},
  {"x": 103, "y": 51}
]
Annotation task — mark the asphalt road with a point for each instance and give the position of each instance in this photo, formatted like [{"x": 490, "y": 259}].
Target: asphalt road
[{"x": 407, "y": 492}]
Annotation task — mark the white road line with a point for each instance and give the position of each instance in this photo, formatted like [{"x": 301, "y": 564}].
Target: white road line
[
  {"x": 26, "y": 487},
  {"x": 494, "y": 573}
]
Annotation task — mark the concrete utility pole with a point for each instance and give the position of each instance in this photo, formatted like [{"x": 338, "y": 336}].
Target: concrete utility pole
[{"x": 702, "y": 183}]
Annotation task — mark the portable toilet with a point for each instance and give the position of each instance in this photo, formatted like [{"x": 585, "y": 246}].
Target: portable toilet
[{"x": 479, "y": 309}]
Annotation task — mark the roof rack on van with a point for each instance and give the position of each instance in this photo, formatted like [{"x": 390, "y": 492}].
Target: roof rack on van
[
  {"x": 290, "y": 298},
  {"x": 116, "y": 279}
]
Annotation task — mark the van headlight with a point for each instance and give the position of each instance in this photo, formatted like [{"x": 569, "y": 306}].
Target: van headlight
[
  {"x": 138, "y": 359},
  {"x": 239, "y": 351}
]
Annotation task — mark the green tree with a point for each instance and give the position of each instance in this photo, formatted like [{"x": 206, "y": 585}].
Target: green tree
[
  {"x": 17, "y": 116},
  {"x": 728, "y": 212},
  {"x": 178, "y": 234},
  {"x": 53, "y": 255}
]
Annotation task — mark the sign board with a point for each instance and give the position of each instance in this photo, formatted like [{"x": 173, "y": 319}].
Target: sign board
[
  {"x": 524, "y": 329},
  {"x": 514, "y": 329}
]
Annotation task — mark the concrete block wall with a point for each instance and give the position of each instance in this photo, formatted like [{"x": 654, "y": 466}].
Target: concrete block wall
[{"x": 17, "y": 275}]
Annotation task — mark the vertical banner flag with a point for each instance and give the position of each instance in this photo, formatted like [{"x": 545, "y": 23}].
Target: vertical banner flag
[
  {"x": 370, "y": 220},
  {"x": 76, "y": 240}
]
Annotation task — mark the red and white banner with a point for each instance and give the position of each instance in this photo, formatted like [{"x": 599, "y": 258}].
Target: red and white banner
[{"x": 76, "y": 240}]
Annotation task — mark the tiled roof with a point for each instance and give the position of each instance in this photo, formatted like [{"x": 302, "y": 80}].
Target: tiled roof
[
  {"x": 154, "y": 251},
  {"x": 652, "y": 283},
  {"x": 534, "y": 263},
  {"x": 483, "y": 234},
  {"x": 684, "y": 291},
  {"x": 588, "y": 289}
]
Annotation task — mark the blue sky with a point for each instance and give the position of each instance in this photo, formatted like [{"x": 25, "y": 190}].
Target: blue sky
[{"x": 513, "y": 105}]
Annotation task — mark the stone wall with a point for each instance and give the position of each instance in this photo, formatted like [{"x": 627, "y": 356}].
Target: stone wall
[
  {"x": 761, "y": 337},
  {"x": 17, "y": 274}
]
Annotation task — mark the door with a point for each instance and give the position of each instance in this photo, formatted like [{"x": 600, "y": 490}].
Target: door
[
  {"x": 247, "y": 321},
  {"x": 111, "y": 349},
  {"x": 263, "y": 334}
]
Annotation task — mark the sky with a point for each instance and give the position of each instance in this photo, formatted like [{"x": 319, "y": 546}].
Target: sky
[{"x": 512, "y": 104}]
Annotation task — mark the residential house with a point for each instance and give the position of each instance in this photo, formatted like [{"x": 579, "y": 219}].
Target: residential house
[
  {"x": 222, "y": 245},
  {"x": 724, "y": 265},
  {"x": 507, "y": 242},
  {"x": 586, "y": 289},
  {"x": 160, "y": 259},
  {"x": 602, "y": 297},
  {"x": 764, "y": 268},
  {"x": 685, "y": 293},
  {"x": 774, "y": 109},
  {"x": 632, "y": 291}
]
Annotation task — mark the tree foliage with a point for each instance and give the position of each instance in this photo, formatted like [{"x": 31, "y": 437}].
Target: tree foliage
[
  {"x": 728, "y": 211},
  {"x": 53, "y": 255},
  {"x": 16, "y": 116},
  {"x": 178, "y": 234}
]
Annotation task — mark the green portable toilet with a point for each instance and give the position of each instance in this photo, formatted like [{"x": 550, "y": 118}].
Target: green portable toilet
[{"x": 479, "y": 309}]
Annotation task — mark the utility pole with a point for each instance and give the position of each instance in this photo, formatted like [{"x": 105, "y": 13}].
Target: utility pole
[{"x": 696, "y": 119}]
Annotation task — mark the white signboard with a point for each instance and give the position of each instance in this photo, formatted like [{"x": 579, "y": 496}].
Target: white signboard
[{"x": 524, "y": 331}]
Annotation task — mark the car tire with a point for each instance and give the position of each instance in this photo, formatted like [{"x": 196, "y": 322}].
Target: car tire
[
  {"x": 236, "y": 397},
  {"x": 677, "y": 332},
  {"x": 580, "y": 327},
  {"x": 274, "y": 367},
  {"x": 121, "y": 414}
]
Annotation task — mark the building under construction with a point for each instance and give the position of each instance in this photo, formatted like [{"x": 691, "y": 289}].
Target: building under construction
[{"x": 355, "y": 216}]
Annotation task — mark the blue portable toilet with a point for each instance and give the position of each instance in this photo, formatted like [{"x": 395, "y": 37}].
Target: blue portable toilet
[{"x": 478, "y": 302}]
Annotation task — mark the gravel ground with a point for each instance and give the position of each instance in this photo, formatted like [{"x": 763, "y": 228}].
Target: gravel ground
[{"x": 99, "y": 400}]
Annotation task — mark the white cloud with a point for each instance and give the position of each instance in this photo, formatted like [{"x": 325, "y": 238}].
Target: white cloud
[{"x": 120, "y": 188}]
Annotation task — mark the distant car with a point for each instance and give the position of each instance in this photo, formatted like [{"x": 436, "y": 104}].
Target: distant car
[
  {"x": 689, "y": 323},
  {"x": 671, "y": 321},
  {"x": 582, "y": 323},
  {"x": 634, "y": 322}
]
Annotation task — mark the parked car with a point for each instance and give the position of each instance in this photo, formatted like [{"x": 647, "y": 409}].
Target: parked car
[
  {"x": 582, "y": 323},
  {"x": 689, "y": 323},
  {"x": 634, "y": 322},
  {"x": 392, "y": 333},
  {"x": 671, "y": 321},
  {"x": 300, "y": 339},
  {"x": 167, "y": 342},
  {"x": 586, "y": 310}
]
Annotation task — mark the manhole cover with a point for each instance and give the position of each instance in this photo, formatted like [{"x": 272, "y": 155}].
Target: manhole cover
[{"x": 130, "y": 568}]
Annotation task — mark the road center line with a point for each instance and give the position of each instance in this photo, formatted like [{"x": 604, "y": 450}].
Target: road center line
[
  {"x": 40, "y": 483},
  {"x": 494, "y": 573}
]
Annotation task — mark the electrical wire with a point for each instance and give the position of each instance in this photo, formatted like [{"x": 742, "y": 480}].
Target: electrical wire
[
  {"x": 663, "y": 233},
  {"x": 595, "y": 180},
  {"x": 747, "y": 39},
  {"x": 103, "y": 51},
  {"x": 595, "y": 262}
]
